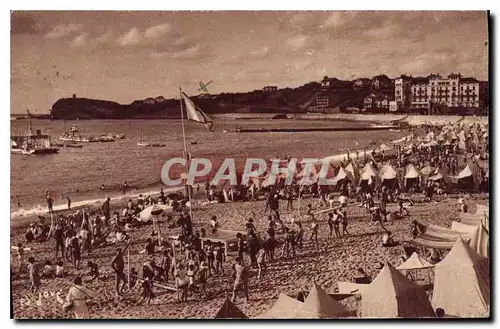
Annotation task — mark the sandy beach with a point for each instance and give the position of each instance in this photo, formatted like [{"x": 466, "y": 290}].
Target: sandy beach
[{"x": 337, "y": 260}]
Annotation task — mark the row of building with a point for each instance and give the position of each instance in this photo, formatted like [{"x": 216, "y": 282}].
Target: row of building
[{"x": 423, "y": 92}]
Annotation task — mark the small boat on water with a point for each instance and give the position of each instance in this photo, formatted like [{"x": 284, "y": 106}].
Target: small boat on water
[
  {"x": 158, "y": 145},
  {"x": 31, "y": 143},
  {"x": 106, "y": 139},
  {"x": 142, "y": 143},
  {"x": 73, "y": 145}
]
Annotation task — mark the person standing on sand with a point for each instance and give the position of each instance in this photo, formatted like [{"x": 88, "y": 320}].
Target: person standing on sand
[
  {"x": 59, "y": 237},
  {"x": 33, "y": 275},
  {"x": 20, "y": 255},
  {"x": 330, "y": 224},
  {"x": 50, "y": 203},
  {"x": 76, "y": 252},
  {"x": 289, "y": 199},
  {"x": 314, "y": 233},
  {"x": 69, "y": 202},
  {"x": 261, "y": 263},
  {"x": 118, "y": 265},
  {"x": 240, "y": 274},
  {"x": 106, "y": 211},
  {"x": 343, "y": 219},
  {"x": 78, "y": 295}
]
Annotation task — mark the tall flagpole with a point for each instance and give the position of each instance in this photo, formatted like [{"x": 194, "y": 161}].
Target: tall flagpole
[{"x": 185, "y": 155}]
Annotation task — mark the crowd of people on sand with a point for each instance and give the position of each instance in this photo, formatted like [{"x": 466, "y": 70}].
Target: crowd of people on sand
[{"x": 188, "y": 263}]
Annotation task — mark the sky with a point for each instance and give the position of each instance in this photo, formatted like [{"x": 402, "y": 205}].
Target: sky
[{"x": 126, "y": 56}]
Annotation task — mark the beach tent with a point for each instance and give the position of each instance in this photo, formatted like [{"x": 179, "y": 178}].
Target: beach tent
[
  {"x": 463, "y": 228},
  {"x": 462, "y": 146},
  {"x": 343, "y": 174},
  {"x": 285, "y": 308},
  {"x": 388, "y": 176},
  {"x": 427, "y": 171},
  {"x": 466, "y": 179},
  {"x": 228, "y": 310},
  {"x": 462, "y": 283},
  {"x": 415, "y": 262},
  {"x": 320, "y": 305},
  {"x": 480, "y": 241},
  {"x": 411, "y": 177},
  {"x": 368, "y": 175},
  {"x": 392, "y": 295},
  {"x": 350, "y": 287},
  {"x": 354, "y": 170}
]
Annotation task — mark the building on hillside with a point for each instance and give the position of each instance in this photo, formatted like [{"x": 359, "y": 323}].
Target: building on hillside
[
  {"x": 376, "y": 101},
  {"x": 423, "y": 92},
  {"x": 402, "y": 91},
  {"x": 361, "y": 83},
  {"x": 368, "y": 102},
  {"x": 270, "y": 88},
  {"x": 321, "y": 103},
  {"x": 327, "y": 82},
  {"x": 381, "y": 81}
]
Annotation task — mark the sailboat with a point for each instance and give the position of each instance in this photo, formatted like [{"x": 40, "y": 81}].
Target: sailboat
[
  {"x": 106, "y": 138},
  {"x": 142, "y": 142},
  {"x": 32, "y": 143}
]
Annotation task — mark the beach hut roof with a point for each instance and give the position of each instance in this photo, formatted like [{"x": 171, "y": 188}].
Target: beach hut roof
[
  {"x": 228, "y": 310},
  {"x": 427, "y": 170},
  {"x": 411, "y": 171},
  {"x": 320, "y": 305},
  {"x": 285, "y": 308},
  {"x": 388, "y": 172},
  {"x": 368, "y": 172},
  {"x": 466, "y": 172},
  {"x": 462, "y": 283},
  {"x": 343, "y": 174},
  {"x": 392, "y": 295},
  {"x": 354, "y": 170},
  {"x": 415, "y": 262},
  {"x": 480, "y": 241}
]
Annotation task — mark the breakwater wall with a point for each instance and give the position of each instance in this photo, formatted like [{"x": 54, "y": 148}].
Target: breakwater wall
[{"x": 413, "y": 120}]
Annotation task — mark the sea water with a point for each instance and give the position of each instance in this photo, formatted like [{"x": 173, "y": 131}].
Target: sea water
[{"x": 79, "y": 172}]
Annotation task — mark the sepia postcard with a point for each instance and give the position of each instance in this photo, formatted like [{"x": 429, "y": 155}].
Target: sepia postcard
[{"x": 249, "y": 164}]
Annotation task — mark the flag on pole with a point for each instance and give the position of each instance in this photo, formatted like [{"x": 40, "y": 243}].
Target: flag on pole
[{"x": 194, "y": 113}]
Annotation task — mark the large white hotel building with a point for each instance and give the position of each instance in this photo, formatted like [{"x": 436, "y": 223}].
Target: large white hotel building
[{"x": 422, "y": 92}]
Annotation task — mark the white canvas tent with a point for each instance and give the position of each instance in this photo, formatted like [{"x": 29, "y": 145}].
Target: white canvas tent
[
  {"x": 462, "y": 283},
  {"x": 285, "y": 308},
  {"x": 354, "y": 170},
  {"x": 466, "y": 172},
  {"x": 388, "y": 173},
  {"x": 415, "y": 262},
  {"x": 343, "y": 174},
  {"x": 392, "y": 295},
  {"x": 351, "y": 288},
  {"x": 411, "y": 172},
  {"x": 480, "y": 241},
  {"x": 320, "y": 305}
]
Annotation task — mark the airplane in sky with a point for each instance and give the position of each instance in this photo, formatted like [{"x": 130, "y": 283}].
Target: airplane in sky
[{"x": 203, "y": 86}]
